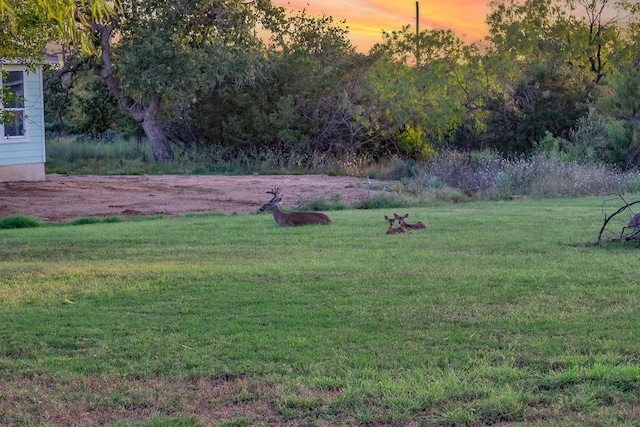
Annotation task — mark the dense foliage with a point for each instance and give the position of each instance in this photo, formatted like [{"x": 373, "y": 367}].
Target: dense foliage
[{"x": 559, "y": 77}]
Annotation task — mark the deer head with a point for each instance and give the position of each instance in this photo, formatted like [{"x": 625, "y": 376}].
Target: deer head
[
  {"x": 392, "y": 230},
  {"x": 273, "y": 203}
]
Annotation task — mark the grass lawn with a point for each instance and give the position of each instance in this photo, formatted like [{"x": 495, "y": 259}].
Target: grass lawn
[{"x": 500, "y": 312}]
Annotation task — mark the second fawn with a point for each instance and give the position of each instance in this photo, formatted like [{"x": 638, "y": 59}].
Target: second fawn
[
  {"x": 392, "y": 230},
  {"x": 292, "y": 219},
  {"x": 402, "y": 221}
]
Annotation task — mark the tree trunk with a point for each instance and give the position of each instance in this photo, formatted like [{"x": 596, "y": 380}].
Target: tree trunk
[
  {"x": 161, "y": 150},
  {"x": 148, "y": 119},
  {"x": 146, "y": 116}
]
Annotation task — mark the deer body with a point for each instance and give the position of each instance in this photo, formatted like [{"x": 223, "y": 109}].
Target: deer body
[
  {"x": 292, "y": 219},
  {"x": 401, "y": 219}
]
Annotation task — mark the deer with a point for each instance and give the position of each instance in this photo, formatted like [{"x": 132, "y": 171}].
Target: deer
[
  {"x": 416, "y": 226},
  {"x": 634, "y": 224},
  {"x": 392, "y": 230},
  {"x": 292, "y": 219}
]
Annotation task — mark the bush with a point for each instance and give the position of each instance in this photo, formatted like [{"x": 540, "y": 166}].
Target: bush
[
  {"x": 385, "y": 202},
  {"x": 321, "y": 204},
  {"x": 18, "y": 221},
  {"x": 85, "y": 221},
  {"x": 94, "y": 220}
]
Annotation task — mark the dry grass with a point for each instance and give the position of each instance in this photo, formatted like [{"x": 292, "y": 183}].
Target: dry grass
[{"x": 91, "y": 401}]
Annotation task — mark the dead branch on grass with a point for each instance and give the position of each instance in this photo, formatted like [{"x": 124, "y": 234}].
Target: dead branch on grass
[{"x": 630, "y": 231}]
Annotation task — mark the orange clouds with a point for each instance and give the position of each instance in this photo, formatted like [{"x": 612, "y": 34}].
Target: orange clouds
[{"x": 367, "y": 18}]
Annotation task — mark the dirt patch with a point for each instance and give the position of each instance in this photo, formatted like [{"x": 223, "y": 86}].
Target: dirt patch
[{"x": 63, "y": 198}]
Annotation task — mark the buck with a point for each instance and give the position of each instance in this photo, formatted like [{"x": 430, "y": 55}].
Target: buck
[
  {"x": 392, "y": 230},
  {"x": 402, "y": 221},
  {"x": 292, "y": 219}
]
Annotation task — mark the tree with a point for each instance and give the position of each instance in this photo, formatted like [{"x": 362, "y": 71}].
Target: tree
[
  {"x": 551, "y": 59},
  {"x": 418, "y": 102},
  {"x": 153, "y": 54},
  {"x": 306, "y": 75},
  {"x": 29, "y": 24},
  {"x": 167, "y": 51},
  {"x": 621, "y": 105},
  {"x": 596, "y": 29},
  {"x": 26, "y": 43},
  {"x": 474, "y": 81},
  {"x": 539, "y": 86}
]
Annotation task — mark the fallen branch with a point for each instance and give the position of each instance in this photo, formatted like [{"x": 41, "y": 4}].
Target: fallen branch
[{"x": 634, "y": 223}]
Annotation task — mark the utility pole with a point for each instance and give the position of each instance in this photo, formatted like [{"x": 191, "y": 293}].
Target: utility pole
[{"x": 417, "y": 34}]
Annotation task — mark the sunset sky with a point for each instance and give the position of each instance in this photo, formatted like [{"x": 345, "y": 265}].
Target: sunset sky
[{"x": 367, "y": 18}]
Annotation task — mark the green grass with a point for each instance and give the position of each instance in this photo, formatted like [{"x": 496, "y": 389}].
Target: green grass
[{"x": 499, "y": 312}]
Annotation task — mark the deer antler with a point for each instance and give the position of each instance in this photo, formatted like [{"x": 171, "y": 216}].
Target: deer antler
[{"x": 275, "y": 191}]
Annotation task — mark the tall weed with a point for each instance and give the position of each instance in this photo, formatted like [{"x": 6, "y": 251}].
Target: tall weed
[{"x": 490, "y": 176}]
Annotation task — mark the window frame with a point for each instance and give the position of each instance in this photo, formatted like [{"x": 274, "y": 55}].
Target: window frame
[{"x": 24, "y": 137}]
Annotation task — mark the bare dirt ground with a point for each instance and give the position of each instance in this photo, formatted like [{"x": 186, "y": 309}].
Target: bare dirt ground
[{"x": 63, "y": 198}]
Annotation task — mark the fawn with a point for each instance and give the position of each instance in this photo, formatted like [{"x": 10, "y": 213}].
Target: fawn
[
  {"x": 392, "y": 230},
  {"x": 292, "y": 219},
  {"x": 401, "y": 220}
]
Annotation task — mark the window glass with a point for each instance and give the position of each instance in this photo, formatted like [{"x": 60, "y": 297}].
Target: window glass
[{"x": 13, "y": 108}]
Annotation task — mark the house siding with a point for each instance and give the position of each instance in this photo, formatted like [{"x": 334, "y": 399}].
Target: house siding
[{"x": 29, "y": 152}]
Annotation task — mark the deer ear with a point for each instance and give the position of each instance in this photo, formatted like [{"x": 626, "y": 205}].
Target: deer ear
[{"x": 278, "y": 200}]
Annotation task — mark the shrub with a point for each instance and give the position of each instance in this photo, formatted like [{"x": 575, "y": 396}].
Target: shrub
[
  {"x": 94, "y": 220},
  {"x": 18, "y": 221},
  {"x": 385, "y": 202},
  {"x": 321, "y": 204}
]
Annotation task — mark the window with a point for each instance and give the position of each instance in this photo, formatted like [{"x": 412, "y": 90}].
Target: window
[{"x": 14, "y": 114}]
